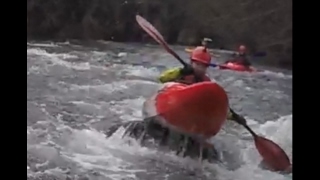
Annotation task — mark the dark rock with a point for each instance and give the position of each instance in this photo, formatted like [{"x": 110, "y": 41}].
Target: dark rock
[{"x": 259, "y": 24}]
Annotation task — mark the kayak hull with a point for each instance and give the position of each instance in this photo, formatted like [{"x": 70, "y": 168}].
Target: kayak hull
[
  {"x": 151, "y": 134},
  {"x": 236, "y": 67},
  {"x": 195, "y": 110}
]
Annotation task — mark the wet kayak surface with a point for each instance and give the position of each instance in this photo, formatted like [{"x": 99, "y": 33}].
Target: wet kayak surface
[{"x": 76, "y": 91}]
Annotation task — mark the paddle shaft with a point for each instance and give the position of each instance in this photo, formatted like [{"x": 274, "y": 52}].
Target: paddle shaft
[
  {"x": 241, "y": 120},
  {"x": 176, "y": 56},
  {"x": 250, "y": 130}
]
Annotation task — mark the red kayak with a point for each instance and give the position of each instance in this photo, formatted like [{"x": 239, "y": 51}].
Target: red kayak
[
  {"x": 236, "y": 67},
  {"x": 196, "y": 110}
]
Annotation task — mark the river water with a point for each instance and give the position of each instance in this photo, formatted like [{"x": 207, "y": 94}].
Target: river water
[{"x": 76, "y": 91}]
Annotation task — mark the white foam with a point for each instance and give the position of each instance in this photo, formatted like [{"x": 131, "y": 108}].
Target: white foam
[
  {"x": 276, "y": 74},
  {"x": 91, "y": 150},
  {"x": 59, "y": 59},
  {"x": 279, "y": 131},
  {"x": 129, "y": 109},
  {"x": 141, "y": 71},
  {"x": 112, "y": 87},
  {"x": 42, "y": 44}
]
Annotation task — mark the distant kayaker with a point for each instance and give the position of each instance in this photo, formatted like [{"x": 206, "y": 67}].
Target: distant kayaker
[
  {"x": 205, "y": 42},
  {"x": 195, "y": 72},
  {"x": 240, "y": 57}
]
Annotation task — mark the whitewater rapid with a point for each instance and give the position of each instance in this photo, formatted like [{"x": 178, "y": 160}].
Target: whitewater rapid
[{"x": 76, "y": 91}]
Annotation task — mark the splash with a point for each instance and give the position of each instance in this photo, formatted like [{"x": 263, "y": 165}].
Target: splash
[{"x": 91, "y": 93}]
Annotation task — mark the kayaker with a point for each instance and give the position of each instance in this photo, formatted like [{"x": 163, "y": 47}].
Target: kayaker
[
  {"x": 205, "y": 42},
  {"x": 195, "y": 72},
  {"x": 240, "y": 57}
]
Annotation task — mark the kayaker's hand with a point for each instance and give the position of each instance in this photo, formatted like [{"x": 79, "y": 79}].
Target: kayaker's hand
[{"x": 187, "y": 70}]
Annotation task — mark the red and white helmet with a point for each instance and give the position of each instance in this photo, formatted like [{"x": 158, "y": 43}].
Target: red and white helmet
[{"x": 201, "y": 54}]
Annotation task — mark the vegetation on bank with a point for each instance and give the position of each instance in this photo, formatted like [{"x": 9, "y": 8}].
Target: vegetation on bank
[{"x": 261, "y": 25}]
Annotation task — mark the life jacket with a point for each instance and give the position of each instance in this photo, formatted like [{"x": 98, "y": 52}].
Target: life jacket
[
  {"x": 191, "y": 79},
  {"x": 174, "y": 75}
]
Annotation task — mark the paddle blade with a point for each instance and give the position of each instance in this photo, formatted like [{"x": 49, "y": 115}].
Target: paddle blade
[
  {"x": 273, "y": 155},
  {"x": 154, "y": 33},
  {"x": 213, "y": 65},
  {"x": 259, "y": 54},
  {"x": 150, "y": 29}
]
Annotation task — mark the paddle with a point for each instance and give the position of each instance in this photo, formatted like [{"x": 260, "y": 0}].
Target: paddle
[
  {"x": 153, "y": 32},
  {"x": 272, "y": 154},
  {"x": 213, "y": 65}
]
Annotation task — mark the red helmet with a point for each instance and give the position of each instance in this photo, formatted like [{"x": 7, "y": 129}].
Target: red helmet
[
  {"x": 242, "y": 49},
  {"x": 201, "y": 54}
]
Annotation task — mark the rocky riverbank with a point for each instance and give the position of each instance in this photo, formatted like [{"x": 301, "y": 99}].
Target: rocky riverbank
[{"x": 264, "y": 25}]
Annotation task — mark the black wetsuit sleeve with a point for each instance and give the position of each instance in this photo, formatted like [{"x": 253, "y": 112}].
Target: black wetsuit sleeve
[
  {"x": 246, "y": 62},
  {"x": 234, "y": 55},
  {"x": 187, "y": 70}
]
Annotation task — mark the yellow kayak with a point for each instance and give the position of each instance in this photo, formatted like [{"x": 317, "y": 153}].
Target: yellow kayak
[{"x": 189, "y": 50}]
